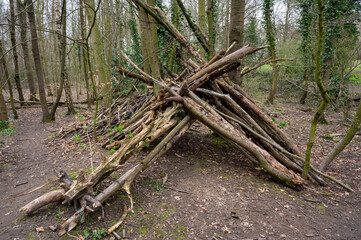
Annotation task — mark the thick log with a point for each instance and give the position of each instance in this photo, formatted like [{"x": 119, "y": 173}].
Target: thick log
[
  {"x": 50, "y": 197},
  {"x": 207, "y": 115}
]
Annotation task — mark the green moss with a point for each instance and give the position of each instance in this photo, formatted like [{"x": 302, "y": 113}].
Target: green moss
[
  {"x": 159, "y": 233},
  {"x": 19, "y": 219},
  {"x": 321, "y": 208},
  {"x": 225, "y": 176},
  {"x": 31, "y": 236},
  {"x": 179, "y": 231},
  {"x": 142, "y": 230},
  {"x": 115, "y": 175},
  {"x": 5, "y": 165},
  {"x": 220, "y": 143},
  {"x": 326, "y": 193}
]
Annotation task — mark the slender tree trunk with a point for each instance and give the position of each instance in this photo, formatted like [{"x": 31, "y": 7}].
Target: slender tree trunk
[
  {"x": 305, "y": 86},
  {"x": 40, "y": 18},
  {"x": 236, "y": 34},
  {"x": 64, "y": 82},
  {"x": 144, "y": 39},
  {"x": 150, "y": 38},
  {"x": 287, "y": 20},
  {"x": 15, "y": 53},
  {"x": 226, "y": 31},
  {"x": 202, "y": 22},
  {"x": 321, "y": 88},
  {"x": 355, "y": 127},
  {"x": 3, "y": 109},
  {"x": 270, "y": 32},
  {"x": 210, "y": 17},
  {"x": 175, "y": 21},
  {"x": 24, "y": 45},
  {"x": 36, "y": 54},
  {"x": 99, "y": 57},
  {"x": 5, "y": 77},
  {"x": 83, "y": 53}
]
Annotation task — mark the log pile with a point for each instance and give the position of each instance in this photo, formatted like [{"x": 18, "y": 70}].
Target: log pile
[{"x": 201, "y": 92}]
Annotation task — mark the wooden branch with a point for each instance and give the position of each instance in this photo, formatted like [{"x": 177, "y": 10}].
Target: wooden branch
[
  {"x": 263, "y": 62},
  {"x": 50, "y": 197},
  {"x": 159, "y": 16},
  {"x": 127, "y": 178},
  {"x": 195, "y": 28},
  {"x": 127, "y": 73}
]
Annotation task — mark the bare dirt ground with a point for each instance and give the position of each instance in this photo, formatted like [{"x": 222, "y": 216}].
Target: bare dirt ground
[{"x": 210, "y": 193}]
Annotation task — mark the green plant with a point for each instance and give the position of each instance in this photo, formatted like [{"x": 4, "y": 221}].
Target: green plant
[
  {"x": 220, "y": 143},
  {"x": 89, "y": 233},
  {"x": 118, "y": 128},
  {"x": 113, "y": 149},
  {"x": 4, "y": 124},
  {"x": 80, "y": 117},
  {"x": 77, "y": 137},
  {"x": 157, "y": 185},
  {"x": 58, "y": 216},
  {"x": 282, "y": 124},
  {"x": 130, "y": 134},
  {"x": 83, "y": 145}
]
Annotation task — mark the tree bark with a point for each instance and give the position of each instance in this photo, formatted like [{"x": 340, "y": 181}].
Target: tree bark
[
  {"x": 202, "y": 22},
  {"x": 355, "y": 127},
  {"x": 15, "y": 53},
  {"x": 38, "y": 66},
  {"x": 324, "y": 94},
  {"x": 5, "y": 77},
  {"x": 83, "y": 53},
  {"x": 99, "y": 57},
  {"x": 64, "y": 81},
  {"x": 270, "y": 32},
  {"x": 24, "y": 45},
  {"x": 3, "y": 108},
  {"x": 236, "y": 34}
]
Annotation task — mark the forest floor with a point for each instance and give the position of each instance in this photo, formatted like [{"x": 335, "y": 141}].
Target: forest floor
[{"x": 211, "y": 192}]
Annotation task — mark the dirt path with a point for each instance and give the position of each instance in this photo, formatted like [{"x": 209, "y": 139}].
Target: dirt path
[
  {"x": 26, "y": 162},
  {"x": 209, "y": 193}
]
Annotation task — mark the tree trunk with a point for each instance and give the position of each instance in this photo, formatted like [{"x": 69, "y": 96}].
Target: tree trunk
[
  {"x": 15, "y": 53},
  {"x": 36, "y": 54},
  {"x": 175, "y": 21},
  {"x": 64, "y": 81},
  {"x": 4, "y": 74},
  {"x": 325, "y": 97},
  {"x": 287, "y": 20},
  {"x": 211, "y": 33},
  {"x": 83, "y": 53},
  {"x": 270, "y": 32},
  {"x": 150, "y": 38},
  {"x": 99, "y": 57},
  {"x": 305, "y": 86},
  {"x": 3, "y": 109},
  {"x": 24, "y": 45},
  {"x": 236, "y": 34},
  {"x": 202, "y": 22},
  {"x": 355, "y": 127}
]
